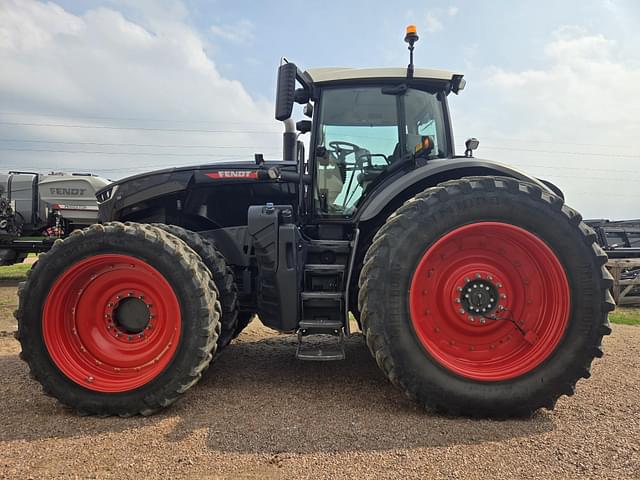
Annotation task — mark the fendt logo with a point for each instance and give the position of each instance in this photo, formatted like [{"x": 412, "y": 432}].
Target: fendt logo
[
  {"x": 233, "y": 174},
  {"x": 68, "y": 191}
]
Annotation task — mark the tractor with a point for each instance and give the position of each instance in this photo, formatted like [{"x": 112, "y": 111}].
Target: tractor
[{"x": 478, "y": 291}]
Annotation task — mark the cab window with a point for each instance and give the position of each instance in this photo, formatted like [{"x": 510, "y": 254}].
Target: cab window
[{"x": 358, "y": 139}]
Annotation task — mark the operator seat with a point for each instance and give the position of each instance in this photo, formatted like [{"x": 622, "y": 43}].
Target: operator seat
[{"x": 330, "y": 180}]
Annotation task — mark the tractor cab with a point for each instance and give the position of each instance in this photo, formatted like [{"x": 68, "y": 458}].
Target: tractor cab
[
  {"x": 368, "y": 125},
  {"x": 364, "y": 131}
]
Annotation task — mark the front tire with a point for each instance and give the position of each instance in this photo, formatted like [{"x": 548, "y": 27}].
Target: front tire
[
  {"x": 485, "y": 296},
  {"x": 118, "y": 319}
]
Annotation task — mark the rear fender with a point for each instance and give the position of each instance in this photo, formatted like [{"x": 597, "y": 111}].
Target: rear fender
[{"x": 391, "y": 195}]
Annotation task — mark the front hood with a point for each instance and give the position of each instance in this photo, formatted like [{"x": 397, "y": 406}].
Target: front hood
[
  {"x": 178, "y": 171},
  {"x": 145, "y": 186}
]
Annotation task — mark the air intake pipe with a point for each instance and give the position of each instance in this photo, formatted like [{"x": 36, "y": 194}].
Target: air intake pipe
[{"x": 289, "y": 138}]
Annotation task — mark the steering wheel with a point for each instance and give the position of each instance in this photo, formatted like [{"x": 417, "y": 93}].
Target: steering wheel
[{"x": 339, "y": 145}]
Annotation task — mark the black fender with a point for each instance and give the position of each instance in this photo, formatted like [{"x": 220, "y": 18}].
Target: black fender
[{"x": 403, "y": 187}]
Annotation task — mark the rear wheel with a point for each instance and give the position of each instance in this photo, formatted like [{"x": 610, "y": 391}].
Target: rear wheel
[
  {"x": 118, "y": 319},
  {"x": 485, "y": 297}
]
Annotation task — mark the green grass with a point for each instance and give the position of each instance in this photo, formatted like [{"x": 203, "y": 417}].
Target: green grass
[
  {"x": 625, "y": 316},
  {"x": 14, "y": 272}
]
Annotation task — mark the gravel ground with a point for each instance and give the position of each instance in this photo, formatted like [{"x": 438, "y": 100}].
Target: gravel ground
[{"x": 258, "y": 413}]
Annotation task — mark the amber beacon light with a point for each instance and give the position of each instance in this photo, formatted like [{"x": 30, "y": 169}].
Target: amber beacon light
[{"x": 411, "y": 37}]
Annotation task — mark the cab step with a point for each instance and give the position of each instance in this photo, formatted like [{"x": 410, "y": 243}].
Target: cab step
[
  {"x": 326, "y": 342},
  {"x": 327, "y": 278}
]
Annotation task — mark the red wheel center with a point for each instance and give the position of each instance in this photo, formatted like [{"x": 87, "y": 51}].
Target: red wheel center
[
  {"x": 111, "y": 323},
  {"x": 489, "y": 301}
]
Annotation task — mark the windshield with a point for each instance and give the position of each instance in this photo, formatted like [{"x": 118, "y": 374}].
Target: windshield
[{"x": 359, "y": 139}]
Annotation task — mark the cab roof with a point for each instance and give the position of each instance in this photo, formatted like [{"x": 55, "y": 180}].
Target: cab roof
[{"x": 335, "y": 74}]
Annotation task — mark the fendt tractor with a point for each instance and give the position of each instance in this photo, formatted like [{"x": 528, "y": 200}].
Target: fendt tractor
[{"x": 478, "y": 291}]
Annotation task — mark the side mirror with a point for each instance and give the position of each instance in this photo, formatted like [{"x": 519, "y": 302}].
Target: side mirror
[
  {"x": 470, "y": 145},
  {"x": 285, "y": 92}
]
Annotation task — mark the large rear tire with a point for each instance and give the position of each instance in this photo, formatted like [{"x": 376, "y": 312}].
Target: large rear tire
[
  {"x": 485, "y": 296},
  {"x": 118, "y": 319},
  {"x": 222, "y": 277}
]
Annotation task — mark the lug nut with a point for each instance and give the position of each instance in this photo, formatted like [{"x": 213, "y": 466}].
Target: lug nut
[
  {"x": 462, "y": 311},
  {"x": 483, "y": 321},
  {"x": 499, "y": 285},
  {"x": 478, "y": 275}
]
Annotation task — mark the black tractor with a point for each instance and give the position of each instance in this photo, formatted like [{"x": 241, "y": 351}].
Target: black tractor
[{"x": 478, "y": 291}]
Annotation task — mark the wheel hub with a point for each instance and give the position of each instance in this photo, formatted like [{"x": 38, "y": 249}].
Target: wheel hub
[
  {"x": 479, "y": 296},
  {"x": 132, "y": 315}
]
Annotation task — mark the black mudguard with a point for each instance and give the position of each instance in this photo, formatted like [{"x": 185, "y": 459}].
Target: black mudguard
[{"x": 436, "y": 171}]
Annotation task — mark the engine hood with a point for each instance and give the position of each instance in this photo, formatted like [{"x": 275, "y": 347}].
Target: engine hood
[{"x": 142, "y": 187}]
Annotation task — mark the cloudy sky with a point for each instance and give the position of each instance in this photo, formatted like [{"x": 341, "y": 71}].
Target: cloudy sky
[{"x": 123, "y": 86}]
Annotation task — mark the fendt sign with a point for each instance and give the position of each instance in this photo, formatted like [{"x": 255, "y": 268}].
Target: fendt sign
[
  {"x": 76, "y": 192},
  {"x": 233, "y": 174}
]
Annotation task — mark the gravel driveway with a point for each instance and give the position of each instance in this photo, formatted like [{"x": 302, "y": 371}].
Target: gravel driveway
[{"x": 258, "y": 413}]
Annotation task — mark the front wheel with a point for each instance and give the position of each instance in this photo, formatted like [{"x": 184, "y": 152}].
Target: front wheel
[
  {"x": 118, "y": 319},
  {"x": 485, "y": 296}
]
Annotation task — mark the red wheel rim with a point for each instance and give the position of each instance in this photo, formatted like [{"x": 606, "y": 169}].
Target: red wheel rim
[
  {"x": 531, "y": 312},
  {"x": 81, "y": 328}
]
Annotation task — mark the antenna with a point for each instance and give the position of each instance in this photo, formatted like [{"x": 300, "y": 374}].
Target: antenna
[{"x": 411, "y": 37}]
